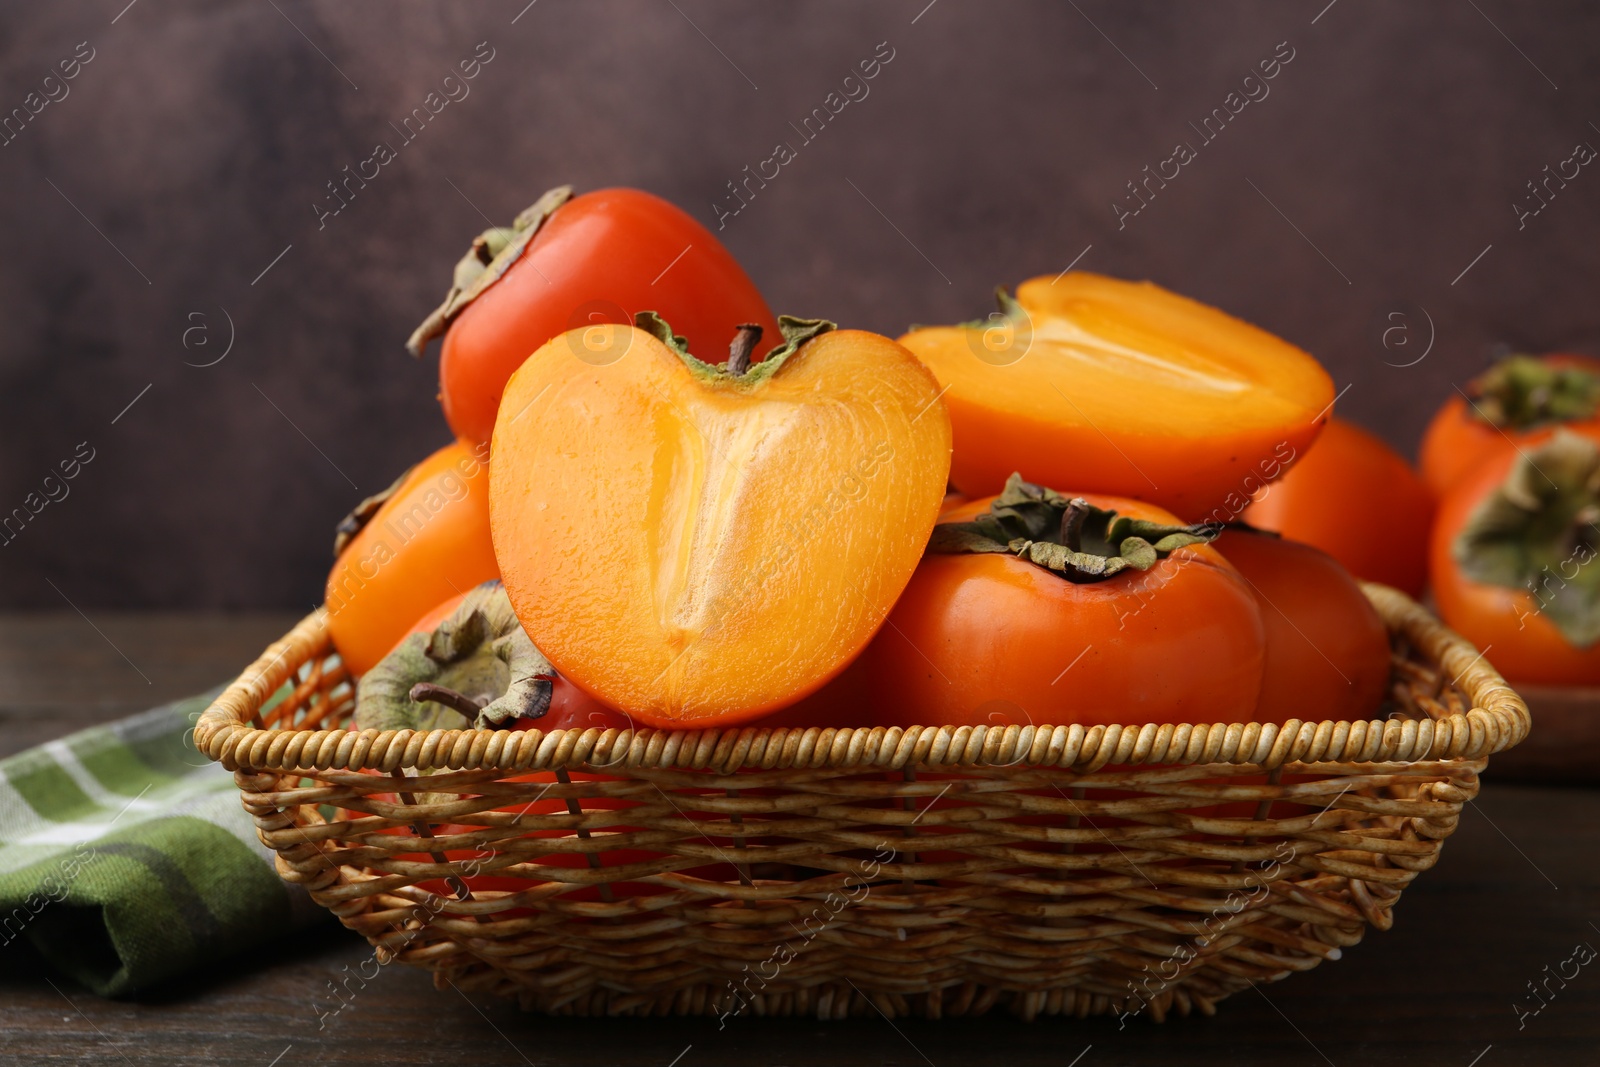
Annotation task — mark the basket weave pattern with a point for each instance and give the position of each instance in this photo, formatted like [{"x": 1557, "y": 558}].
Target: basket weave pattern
[{"x": 928, "y": 871}]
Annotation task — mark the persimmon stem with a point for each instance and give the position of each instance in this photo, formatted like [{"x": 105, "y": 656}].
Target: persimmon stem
[
  {"x": 450, "y": 698},
  {"x": 1072, "y": 520},
  {"x": 745, "y": 338}
]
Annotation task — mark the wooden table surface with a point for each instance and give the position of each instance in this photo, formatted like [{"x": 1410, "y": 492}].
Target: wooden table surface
[{"x": 1517, "y": 889}]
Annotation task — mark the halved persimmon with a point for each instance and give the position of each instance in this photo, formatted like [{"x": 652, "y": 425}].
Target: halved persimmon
[
  {"x": 1122, "y": 387},
  {"x": 401, "y": 552},
  {"x": 698, "y": 544}
]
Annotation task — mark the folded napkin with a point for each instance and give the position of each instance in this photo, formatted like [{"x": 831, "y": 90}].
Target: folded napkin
[{"x": 125, "y": 857}]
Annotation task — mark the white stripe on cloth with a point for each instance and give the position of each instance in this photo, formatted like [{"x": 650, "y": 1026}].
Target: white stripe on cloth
[
  {"x": 23, "y": 828},
  {"x": 130, "y": 808},
  {"x": 204, "y": 790},
  {"x": 21, "y": 824}
]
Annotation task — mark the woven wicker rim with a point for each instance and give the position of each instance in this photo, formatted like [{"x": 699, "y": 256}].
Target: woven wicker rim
[{"x": 1496, "y": 720}]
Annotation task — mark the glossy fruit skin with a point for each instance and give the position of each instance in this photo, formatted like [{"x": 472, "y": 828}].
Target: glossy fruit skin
[
  {"x": 1456, "y": 442},
  {"x": 1359, "y": 501},
  {"x": 1518, "y": 639},
  {"x": 1327, "y": 649},
  {"x": 1064, "y": 414},
  {"x": 570, "y": 707},
  {"x": 753, "y": 532},
  {"x": 601, "y": 257},
  {"x": 428, "y": 541},
  {"x": 995, "y": 640}
]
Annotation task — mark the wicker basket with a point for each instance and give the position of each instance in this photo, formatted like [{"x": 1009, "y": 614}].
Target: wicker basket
[{"x": 819, "y": 872}]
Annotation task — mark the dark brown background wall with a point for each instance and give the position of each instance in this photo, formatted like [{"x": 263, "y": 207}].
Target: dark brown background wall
[{"x": 190, "y": 150}]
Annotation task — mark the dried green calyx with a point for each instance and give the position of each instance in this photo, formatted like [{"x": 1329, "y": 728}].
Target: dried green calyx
[
  {"x": 490, "y": 256},
  {"x": 1521, "y": 393},
  {"x": 738, "y": 365},
  {"x": 1067, "y": 535},
  {"x": 1009, "y": 310},
  {"x": 1538, "y": 532},
  {"x": 477, "y": 668}
]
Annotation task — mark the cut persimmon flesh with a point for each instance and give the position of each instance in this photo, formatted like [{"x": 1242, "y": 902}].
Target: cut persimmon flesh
[
  {"x": 1120, "y": 387},
  {"x": 699, "y": 544}
]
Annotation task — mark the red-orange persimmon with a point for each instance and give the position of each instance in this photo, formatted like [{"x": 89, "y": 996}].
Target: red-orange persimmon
[{"x": 593, "y": 259}]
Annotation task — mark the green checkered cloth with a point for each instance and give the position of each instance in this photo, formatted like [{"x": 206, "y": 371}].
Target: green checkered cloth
[{"x": 126, "y": 859}]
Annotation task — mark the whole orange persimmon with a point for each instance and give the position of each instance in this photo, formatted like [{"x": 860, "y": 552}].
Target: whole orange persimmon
[
  {"x": 1513, "y": 560},
  {"x": 1122, "y": 387},
  {"x": 1035, "y": 607},
  {"x": 402, "y": 552},
  {"x": 1515, "y": 403},
  {"x": 1350, "y": 473},
  {"x": 1327, "y": 649},
  {"x": 697, "y": 544},
  {"x": 578, "y": 261}
]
